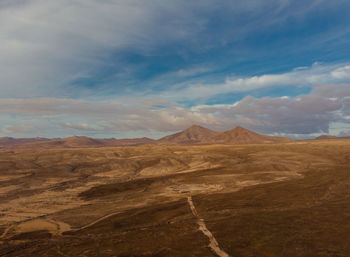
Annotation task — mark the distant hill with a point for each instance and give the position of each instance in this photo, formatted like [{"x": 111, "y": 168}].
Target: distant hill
[
  {"x": 326, "y": 137},
  {"x": 199, "y": 135},
  {"x": 80, "y": 142},
  {"x": 131, "y": 141},
  {"x": 6, "y": 142}
]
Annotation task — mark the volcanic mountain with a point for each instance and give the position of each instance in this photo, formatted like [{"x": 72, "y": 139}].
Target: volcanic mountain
[
  {"x": 193, "y": 135},
  {"x": 241, "y": 135},
  {"x": 199, "y": 135}
]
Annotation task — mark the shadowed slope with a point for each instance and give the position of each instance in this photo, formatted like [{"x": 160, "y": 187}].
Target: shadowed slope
[
  {"x": 241, "y": 135},
  {"x": 193, "y": 135}
]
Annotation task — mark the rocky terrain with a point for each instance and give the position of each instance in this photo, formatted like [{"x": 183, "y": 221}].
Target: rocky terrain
[{"x": 285, "y": 199}]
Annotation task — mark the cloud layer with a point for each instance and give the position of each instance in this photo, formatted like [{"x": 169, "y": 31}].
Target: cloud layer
[
  {"x": 48, "y": 48},
  {"x": 129, "y": 68},
  {"x": 302, "y": 115},
  {"x": 307, "y": 77}
]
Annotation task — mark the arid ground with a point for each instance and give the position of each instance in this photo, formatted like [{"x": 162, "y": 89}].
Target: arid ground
[{"x": 267, "y": 200}]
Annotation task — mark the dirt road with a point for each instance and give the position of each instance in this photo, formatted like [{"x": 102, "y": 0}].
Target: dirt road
[{"x": 214, "y": 245}]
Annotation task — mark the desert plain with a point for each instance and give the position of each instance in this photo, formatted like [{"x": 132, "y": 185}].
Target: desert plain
[{"x": 267, "y": 200}]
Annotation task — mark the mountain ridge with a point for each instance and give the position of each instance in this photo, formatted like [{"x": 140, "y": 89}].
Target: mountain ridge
[
  {"x": 76, "y": 142},
  {"x": 199, "y": 135},
  {"x": 194, "y": 135}
]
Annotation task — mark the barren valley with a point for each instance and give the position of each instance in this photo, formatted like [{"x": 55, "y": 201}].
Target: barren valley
[{"x": 286, "y": 199}]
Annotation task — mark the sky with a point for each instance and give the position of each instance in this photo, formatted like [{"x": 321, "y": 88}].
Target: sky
[{"x": 127, "y": 68}]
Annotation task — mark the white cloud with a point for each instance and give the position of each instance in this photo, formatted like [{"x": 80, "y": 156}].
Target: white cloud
[
  {"x": 46, "y": 45},
  {"x": 80, "y": 126},
  {"x": 305, "y": 114},
  {"x": 342, "y": 73},
  {"x": 314, "y": 76}
]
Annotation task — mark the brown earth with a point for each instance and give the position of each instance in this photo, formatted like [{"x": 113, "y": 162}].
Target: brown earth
[{"x": 288, "y": 199}]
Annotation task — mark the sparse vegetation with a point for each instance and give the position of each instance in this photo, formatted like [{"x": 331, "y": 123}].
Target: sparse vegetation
[{"x": 257, "y": 200}]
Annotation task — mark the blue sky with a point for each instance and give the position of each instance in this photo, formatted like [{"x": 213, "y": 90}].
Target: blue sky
[{"x": 126, "y": 68}]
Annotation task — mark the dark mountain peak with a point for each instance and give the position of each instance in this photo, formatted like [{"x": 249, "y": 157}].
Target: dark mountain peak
[
  {"x": 76, "y": 137},
  {"x": 237, "y": 131},
  {"x": 241, "y": 129},
  {"x": 196, "y": 128},
  {"x": 193, "y": 134}
]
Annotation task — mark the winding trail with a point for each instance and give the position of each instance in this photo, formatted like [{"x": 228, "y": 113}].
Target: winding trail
[
  {"x": 94, "y": 222},
  {"x": 61, "y": 226},
  {"x": 214, "y": 245},
  {"x": 3, "y": 235}
]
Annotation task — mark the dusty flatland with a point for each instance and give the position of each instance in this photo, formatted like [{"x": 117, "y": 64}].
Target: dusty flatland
[{"x": 286, "y": 199}]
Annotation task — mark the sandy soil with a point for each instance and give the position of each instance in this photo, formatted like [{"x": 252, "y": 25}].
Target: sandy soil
[
  {"x": 78, "y": 190},
  {"x": 214, "y": 246}
]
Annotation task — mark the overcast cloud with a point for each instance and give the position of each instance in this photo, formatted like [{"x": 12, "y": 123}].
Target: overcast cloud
[
  {"x": 302, "y": 115},
  {"x": 128, "y": 68}
]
